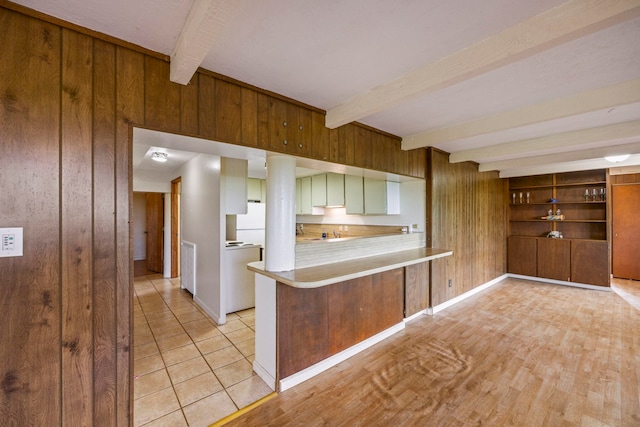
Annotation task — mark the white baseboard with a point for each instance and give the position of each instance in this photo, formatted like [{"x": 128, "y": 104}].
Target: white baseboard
[
  {"x": 560, "y": 282},
  {"x": 208, "y": 310},
  {"x": 418, "y": 314},
  {"x": 262, "y": 373},
  {"x": 312, "y": 371},
  {"x": 466, "y": 295}
]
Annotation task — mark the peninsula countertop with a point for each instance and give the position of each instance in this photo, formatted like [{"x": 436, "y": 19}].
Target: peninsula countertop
[{"x": 327, "y": 274}]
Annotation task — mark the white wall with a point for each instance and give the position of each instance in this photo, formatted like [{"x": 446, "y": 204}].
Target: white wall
[
  {"x": 412, "y": 211},
  {"x": 201, "y": 222},
  {"x": 139, "y": 226}
]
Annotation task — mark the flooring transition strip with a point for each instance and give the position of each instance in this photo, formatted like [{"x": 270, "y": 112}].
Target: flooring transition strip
[{"x": 243, "y": 411}]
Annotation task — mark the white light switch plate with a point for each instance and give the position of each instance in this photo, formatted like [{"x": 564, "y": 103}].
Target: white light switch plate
[{"x": 10, "y": 242}]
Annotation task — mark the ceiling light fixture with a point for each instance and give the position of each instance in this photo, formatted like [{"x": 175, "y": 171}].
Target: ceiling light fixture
[
  {"x": 617, "y": 159},
  {"x": 159, "y": 156}
]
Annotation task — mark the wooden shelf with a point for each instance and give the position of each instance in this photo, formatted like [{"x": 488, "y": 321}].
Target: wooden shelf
[
  {"x": 559, "y": 203},
  {"x": 570, "y": 184}
]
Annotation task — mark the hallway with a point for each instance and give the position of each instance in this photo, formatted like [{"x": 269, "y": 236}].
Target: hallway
[{"x": 187, "y": 370}]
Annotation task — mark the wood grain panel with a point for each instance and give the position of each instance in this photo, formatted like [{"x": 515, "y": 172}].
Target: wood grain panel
[
  {"x": 30, "y": 285},
  {"x": 522, "y": 255},
  {"x": 467, "y": 215},
  {"x": 590, "y": 262},
  {"x": 389, "y": 290},
  {"x": 206, "y": 104},
  {"x": 554, "y": 259},
  {"x": 228, "y": 105},
  {"x": 302, "y": 129},
  {"x": 303, "y": 335},
  {"x": 104, "y": 244},
  {"x": 249, "y": 117},
  {"x": 278, "y": 132},
  {"x": 630, "y": 178},
  {"x": 380, "y": 158},
  {"x": 263, "y": 121},
  {"x": 76, "y": 224},
  {"x": 130, "y": 110},
  {"x": 161, "y": 96},
  {"x": 189, "y": 106},
  {"x": 345, "y": 307},
  {"x": 416, "y": 288}
]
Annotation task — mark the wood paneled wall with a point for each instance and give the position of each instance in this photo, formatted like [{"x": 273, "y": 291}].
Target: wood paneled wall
[
  {"x": 466, "y": 212},
  {"x": 68, "y": 100}
]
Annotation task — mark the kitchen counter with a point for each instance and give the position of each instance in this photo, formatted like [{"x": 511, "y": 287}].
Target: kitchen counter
[{"x": 323, "y": 275}]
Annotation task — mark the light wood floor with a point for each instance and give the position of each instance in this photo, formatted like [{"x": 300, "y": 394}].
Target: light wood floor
[{"x": 519, "y": 354}]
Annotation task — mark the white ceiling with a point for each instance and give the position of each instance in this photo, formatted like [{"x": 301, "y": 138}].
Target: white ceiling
[{"x": 560, "y": 95}]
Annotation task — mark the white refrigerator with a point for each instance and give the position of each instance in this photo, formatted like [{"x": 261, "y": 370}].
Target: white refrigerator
[{"x": 250, "y": 227}]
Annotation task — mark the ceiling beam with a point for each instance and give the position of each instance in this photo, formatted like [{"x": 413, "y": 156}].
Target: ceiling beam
[
  {"x": 594, "y": 100},
  {"x": 204, "y": 24},
  {"x": 569, "y": 21},
  {"x": 550, "y": 143},
  {"x": 568, "y": 156}
]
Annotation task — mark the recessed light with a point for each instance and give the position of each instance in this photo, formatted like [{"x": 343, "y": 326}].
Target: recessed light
[
  {"x": 617, "y": 159},
  {"x": 159, "y": 156}
]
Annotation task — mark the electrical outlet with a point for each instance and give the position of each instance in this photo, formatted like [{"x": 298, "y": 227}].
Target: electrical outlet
[
  {"x": 450, "y": 283},
  {"x": 414, "y": 226},
  {"x": 346, "y": 228},
  {"x": 339, "y": 228}
]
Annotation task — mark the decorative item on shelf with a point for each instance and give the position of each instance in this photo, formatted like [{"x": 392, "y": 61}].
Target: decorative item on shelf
[
  {"x": 549, "y": 212},
  {"x": 555, "y": 234},
  {"x": 603, "y": 194},
  {"x": 553, "y": 200},
  {"x": 528, "y": 197},
  {"x": 521, "y": 197},
  {"x": 513, "y": 198},
  {"x": 595, "y": 195},
  {"x": 586, "y": 195},
  {"x": 558, "y": 212},
  {"x": 552, "y": 217}
]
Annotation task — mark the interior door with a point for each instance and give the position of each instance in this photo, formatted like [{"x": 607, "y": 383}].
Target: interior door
[
  {"x": 625, "y": 245},
  {"x": 155, "y": 221}
]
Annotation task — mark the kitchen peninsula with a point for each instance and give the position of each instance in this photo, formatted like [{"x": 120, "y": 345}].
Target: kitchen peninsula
[{"x": 335, "y": 305}]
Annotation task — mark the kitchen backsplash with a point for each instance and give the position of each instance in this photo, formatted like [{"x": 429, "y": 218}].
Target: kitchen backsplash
[{"x": 346, "y": 230}]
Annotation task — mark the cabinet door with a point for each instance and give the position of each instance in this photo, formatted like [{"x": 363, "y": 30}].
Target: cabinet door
[
  {"x": 522, "y": 255},
  {"x": 590, "y": 262},
  {"x": 375, "y": 196},
  {"x": 353, "y": 195},
  {"x": 335, "y": 189},
  {"x": 305, "y": 196},
  {"x": 319, "y": 190},
  {"x": 254, "y": 190},
  {"x": 554, "y": 259}
]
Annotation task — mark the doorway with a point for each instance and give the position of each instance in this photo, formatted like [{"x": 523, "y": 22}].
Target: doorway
[
  {"x": 148, "y": 217},
  {"x": 625, "y": 244}
]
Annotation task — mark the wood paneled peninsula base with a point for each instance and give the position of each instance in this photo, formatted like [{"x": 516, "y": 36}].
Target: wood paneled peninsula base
[{"x": 310, "y": 319}]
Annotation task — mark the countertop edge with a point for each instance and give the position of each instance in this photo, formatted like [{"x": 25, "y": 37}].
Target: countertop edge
[{"x": 258, "y": 267}]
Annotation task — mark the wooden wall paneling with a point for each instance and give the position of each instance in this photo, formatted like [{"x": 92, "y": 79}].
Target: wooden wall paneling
[
  {"x": 76, "y": 233},
  {"x": 301, "y": 328},
  {"x": 625, "y": 239},
  {"x": 104, "y": 244},
  {"x": 228, "y": 107},
  {"x": 320, "y": 143},
  {"x": 349, "y": 142},
  {"x": 249, "y": 117},
  {"x": 30, "y": 285},
  {"x": 418, "y": 162},
  {"x": 416, "y": 288},
  {"x": 338, "y": 144},
  {"x": 130, "y": 110},
  {"x": 207, "y": 106},
  {"x": 590, "y": 262},
  {"x": 189, "y": 106},
  {"x": 381, "y": 153},
  {"x": 630, "y": 178},
  {"x": 161, "y": 96},
  {"x": 467, "y": 216},
  {"x": 363, "y": 148},
  {"x": 554, "y": 259}
]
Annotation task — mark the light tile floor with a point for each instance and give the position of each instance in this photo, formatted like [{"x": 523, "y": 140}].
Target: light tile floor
[{"x": 188, "y": 370}]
